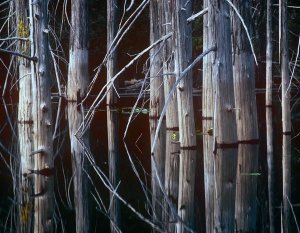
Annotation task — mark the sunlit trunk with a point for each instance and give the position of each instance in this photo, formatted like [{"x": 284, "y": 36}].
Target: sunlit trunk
[
  {"x": 181, "y": 10},
  {"x": 246, "y": 118},
  {"x": 225, "y": 144},
  {"x": 76, "y": 89},
  {"x": 112, "y": 116},
  {"x": 156, "y": 105}
]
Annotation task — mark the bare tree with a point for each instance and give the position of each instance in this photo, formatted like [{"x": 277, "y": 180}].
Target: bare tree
[
  {"x": 286, "y": 116},
  {"x": 246, "y": 117},
  {"x": 224, "y": 130},
  {"x": 112, "y": 115},
  {"x": 76, "y": 89}
]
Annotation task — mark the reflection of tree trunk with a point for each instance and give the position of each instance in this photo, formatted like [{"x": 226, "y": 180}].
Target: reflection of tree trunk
[
  {"x": 246, "y": 116},
  {"x": 269, "y": 120},
  {"x": 76, "y": 89},
  {"x": 207, "y": 126},
  {"x": 112, "y": 116},
  {"x": 225, "y": 138},
  {"x": 286, "y": 118},
  {"x": 172, "y": 130},
  {"x": 24, "y": 121},
  {"x": 182, "y": 9},
  {"x": 156, "y": 105},
  {"x": 42, "y": 119}
]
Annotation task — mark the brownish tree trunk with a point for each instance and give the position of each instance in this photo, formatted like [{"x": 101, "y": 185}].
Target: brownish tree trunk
[
  {"x": 42, "y": 120},
  {"x": 112, "y": 117},
  {"x": 156, "y": 105},
  {"x": 224, "y": 130},
  {"x": 181, "y": 10},
  {"x": 76, "y": 89},
  {"x": 246, "y": 117}
]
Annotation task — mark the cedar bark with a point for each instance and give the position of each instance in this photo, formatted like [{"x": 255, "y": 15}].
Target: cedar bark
[
  {"x": 286, "y": 118},
  {"x": 225, "y": 137},
  {"x": 172, "y": 128},
  {"x": 42, "y": 119},
  {"x": 181, "y": 10},
  {"x": 112, "y": 117},
  {"x": 156, "y": 105},
  {"x": 269, "y": 118},
  {"x": 76, "y": 90},
  {"x": 246, "y": 118}
]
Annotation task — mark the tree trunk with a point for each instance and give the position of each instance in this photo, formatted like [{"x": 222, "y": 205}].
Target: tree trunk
[
  {"x": 207, "y": 126},
  {"x": 286, "y": 118},
  {"x": 42, "y": 120},
  {"x": 181, "y": 10},
  {"x": 269, "y": 120},
  {"x": 246, "y": 117},
  {"x": 24, "y": 122},
  {"x": 224, "y": 130},
  {"x": 76, "y": 90},
  {"x": 156, "y": 105},
  {"x": 112, "y": 117},
  {"x": 172, "y": 128}
]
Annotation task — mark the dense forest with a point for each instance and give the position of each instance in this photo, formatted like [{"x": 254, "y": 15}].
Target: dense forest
[{"x": 149, "y": 116}]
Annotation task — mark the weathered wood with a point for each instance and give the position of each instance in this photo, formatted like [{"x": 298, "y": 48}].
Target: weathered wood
[
  {"x": 42, "y": 118},
  {"x": 112, "y": 116},
  {"x": 76, "y": 89},
  {"x": 24, "y": 122},
  {"x": 269, "y": 117},
  {"x": 156, "y": 105},
  {"x": 172, "y": 128},
  {"x": 224, "y": 130},
  {"x": 207, "y": 125},
  {"x": 181, "y": 10},
  {"x": 246, "y": 118},
  {"x": 286, "y": 117}
]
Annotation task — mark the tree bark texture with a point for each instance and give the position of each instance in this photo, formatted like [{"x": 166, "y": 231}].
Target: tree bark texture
[
  {"x": 286, "y": 117},
  {"x": 224, "y": 130},
  {"x": 42, "y": 120},
  {"x": 246, "y": 118},
  {"x": 181, "y": 10},
  {"x": 207, "y": 126},
  {"x": 24, "y": 122},
  {"x": 76, "y": 89},
  {"x": 156, "y": 105},
  {"x": 269, "y": 118},
  {"x": 172, "y": 128},
  {"x": 112, "y": 116}
]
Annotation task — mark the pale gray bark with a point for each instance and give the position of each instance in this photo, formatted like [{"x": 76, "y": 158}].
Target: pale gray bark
[
  {"x": 286, "y": 118},
  {"x": 207, "y": 127},
  {"x": 224, "y": 130},
  {"x": 182, "y": 9},
  {"x": 246, "y": 117},
  {"x": 42, "y": 120},
  {"x": 112, "y": 116},
  {"x": 156, "y": 105},
  {"x": 172, "y": 128},
  {"x": 269, "y": 118},
  {"x": 76, "y": 89}
]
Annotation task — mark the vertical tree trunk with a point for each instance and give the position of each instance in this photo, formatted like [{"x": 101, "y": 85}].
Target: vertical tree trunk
[
  {"x": 42, "y": 120},
  {"x": 246, "y": 117},
  {"x": 207, "y": 126},
  {"x": 112, "y": 116},
  {"x": 156, "y": 105},
  {"x": 181, "y": 10},
  {"x": 24, "y": 121},
  {"x": 225, "y": 138},
  {"x": 269, "y": 120},
  {"x": 172, "y": 128},
  {"x": 76, "y": 90},
  {"x": 286, "y": 117}
]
